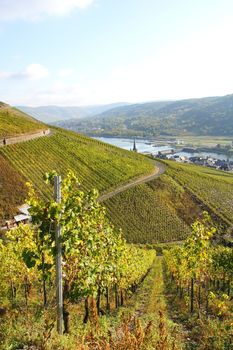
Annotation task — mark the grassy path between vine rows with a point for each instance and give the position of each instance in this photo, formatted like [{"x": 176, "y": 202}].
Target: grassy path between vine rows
[
  {"x": 150, "y": 305},
  {"x": 158, "y": 170},
  {"x": 152, "y": 300}
]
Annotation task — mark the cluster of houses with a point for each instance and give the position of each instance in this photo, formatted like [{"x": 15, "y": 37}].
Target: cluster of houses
[{"x": 210, "y": 162}]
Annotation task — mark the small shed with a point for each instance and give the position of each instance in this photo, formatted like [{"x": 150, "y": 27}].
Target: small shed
[
  {"x": 24, "y": 209},
  {"x": 21, "y": 218}
]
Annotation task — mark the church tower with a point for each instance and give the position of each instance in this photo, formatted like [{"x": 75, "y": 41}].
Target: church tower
[{"x": 134, "y": 146}]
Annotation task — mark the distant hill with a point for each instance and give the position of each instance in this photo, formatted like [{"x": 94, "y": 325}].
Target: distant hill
[
  {"x": 48, "y": 114},
  {"x": 51, "y": 114},
  {"x": 204, "y": 116},
  {"x": 14, "y": 122}
]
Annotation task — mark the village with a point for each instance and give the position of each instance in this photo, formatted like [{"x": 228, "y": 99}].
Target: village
[
  {"x": 204, "y": 156},
  {"x": 208, "y": 161}
]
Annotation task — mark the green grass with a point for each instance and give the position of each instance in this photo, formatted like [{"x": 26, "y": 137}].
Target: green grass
[
  {"x": 97, "y": 165},
  {"x": 14, "y": 122}
]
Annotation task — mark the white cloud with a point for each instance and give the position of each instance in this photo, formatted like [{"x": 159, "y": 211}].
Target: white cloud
[
  {"x": 36, "y": 71},
  {"x": 4, "y": 75},
  {"x": 36, "y": 9},
  {"x": 66, "y": 72},
  {"x": 33, "y": 71}
]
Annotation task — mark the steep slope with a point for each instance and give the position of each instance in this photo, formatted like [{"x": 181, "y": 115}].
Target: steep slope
[
  {"x": 14, "y": 122},
  {"x": 145, "y": 216},
  {"x": 12, "y": 189},
  {"x": 163, "y": 209},
  {"x": 98, "y": 165},
  {"x": 205, "y": 116},
  {"x": 212, "y": 187}
]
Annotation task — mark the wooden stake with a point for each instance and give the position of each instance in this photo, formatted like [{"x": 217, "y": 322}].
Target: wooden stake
[{"x": 59, "y": 295}]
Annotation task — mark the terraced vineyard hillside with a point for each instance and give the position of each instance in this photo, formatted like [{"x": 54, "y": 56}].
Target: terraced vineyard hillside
[
  {"x": 145, "y": 217},
  {"x": 97, "y": 165},
  {"x": 12, "y": 189},
  {"x": 14, "y": 122},
  {"x": 163, "y": 210},
  {"x": 213, "y": 188},
  {"x": 158, "y": 211}
]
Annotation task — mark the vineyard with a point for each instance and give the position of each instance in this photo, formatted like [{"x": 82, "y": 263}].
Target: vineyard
[
  {"x": 144, "y": 216},
  {"x": 213, "y": 188},
  {"x": 158, "y": 211},
  {"x": 200, "y": 285},
  {"x": 103, "y": 275},
  {"x": 97, "y": 165},
  {"x": 163, "y": 209},
  {"x": 14, "y": 122},
  {"x": 12, "y": 189},
  {"x": 99, "y": 270},
  {"x": 108, "y": 284}
]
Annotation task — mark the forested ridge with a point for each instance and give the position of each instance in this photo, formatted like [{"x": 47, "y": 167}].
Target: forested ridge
[{"x": 206, "y": 116}]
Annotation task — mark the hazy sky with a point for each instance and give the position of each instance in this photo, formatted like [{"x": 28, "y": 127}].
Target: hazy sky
[{"x": 76, "y": 52}]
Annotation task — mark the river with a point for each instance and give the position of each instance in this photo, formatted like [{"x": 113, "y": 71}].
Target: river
[{"x": 145, "y": 146}]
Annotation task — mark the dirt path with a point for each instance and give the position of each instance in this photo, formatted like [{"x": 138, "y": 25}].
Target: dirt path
[
  {"x": 152, "y": 295},
  {"x": 158, "y": 170},
  {"x": 151, "y": 304},
  {"x": 26, "y": 137}
]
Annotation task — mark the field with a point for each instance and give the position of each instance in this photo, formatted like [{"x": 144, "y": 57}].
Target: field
[
  {"x": 14, "y": 122},
  {"x": 97, "y": 165},
  {"x": 205, "y": 141}
]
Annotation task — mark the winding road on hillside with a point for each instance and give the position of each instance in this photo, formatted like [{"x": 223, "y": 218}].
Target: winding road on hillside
[{"x": 158, "y": 170}]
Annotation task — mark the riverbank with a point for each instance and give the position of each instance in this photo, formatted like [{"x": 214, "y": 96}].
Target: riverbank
[{"x": 149, "y": 146}]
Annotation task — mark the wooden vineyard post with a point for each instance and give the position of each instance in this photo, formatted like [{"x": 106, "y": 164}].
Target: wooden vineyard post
[{"x": 59, "y": 295}]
